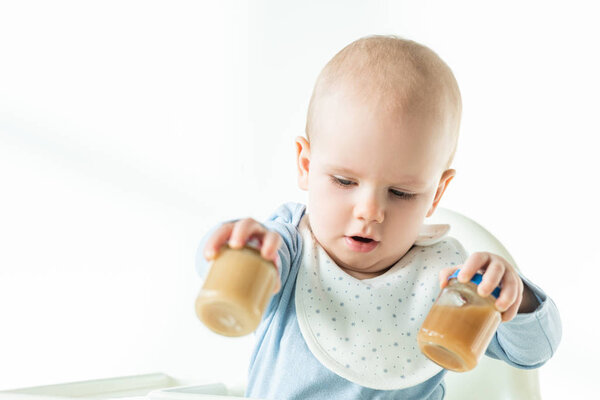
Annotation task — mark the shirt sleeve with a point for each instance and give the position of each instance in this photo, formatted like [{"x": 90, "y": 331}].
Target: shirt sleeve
[
  {"x": 530, "y": 339},
  {"x": 285, "y": 221}
]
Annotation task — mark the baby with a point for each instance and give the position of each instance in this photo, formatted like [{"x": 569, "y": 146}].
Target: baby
[{"x": 358, "y": 269}]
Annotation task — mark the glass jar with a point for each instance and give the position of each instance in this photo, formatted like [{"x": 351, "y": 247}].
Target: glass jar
[
  {"x": 460, "y": 325},
  {"x": 236, "y": 291}
]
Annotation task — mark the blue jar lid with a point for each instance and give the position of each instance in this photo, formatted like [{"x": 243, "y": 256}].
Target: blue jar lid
[{"x": 476, "y": 279}]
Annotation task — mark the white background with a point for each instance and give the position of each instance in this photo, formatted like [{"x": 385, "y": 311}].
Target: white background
[{"x": 127, "y": 129}]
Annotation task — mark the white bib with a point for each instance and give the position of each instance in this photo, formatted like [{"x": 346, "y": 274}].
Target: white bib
[{"x": 366, "y": 330}]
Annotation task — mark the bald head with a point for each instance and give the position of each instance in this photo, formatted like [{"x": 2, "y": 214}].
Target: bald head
[{"x": 390, "y": 74}]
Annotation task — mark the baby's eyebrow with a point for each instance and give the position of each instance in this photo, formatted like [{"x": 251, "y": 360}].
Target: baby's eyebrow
[
  {"x": 342, "y": 170},
  {"x": 407, "y": 183}
]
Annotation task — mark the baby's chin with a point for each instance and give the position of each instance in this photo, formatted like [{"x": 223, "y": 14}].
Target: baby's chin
[
  {"x": 369, "y": 264},
  {"x": 360, "y": 272},
  {"x": 365, "y": 265},
  {"x": 359, "y": 265}
]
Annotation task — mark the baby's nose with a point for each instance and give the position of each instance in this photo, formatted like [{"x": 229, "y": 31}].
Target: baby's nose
[{"x": 370, "y": 209}]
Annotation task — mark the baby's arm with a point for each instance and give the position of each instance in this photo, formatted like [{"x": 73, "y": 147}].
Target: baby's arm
[{"x": 529, "y": 339}]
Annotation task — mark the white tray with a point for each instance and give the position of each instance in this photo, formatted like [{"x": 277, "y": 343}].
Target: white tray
[
  {"x": 490, "y": 380},
  {"x": 157, "y": 386}
]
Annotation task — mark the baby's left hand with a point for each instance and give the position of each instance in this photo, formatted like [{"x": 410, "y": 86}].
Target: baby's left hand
[{"x": 496, "y": 272}]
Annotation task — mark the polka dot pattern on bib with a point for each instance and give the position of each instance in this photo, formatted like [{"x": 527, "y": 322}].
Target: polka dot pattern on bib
[{"x": 365, "y": 330}]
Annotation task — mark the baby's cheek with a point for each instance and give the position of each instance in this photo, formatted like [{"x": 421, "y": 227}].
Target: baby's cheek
[{"x": 325, "y": 198}]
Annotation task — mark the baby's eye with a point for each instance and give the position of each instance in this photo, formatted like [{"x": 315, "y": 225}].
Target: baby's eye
[
  {"x": 341, "y": 181},
  {"x": 402, "y": 195}
]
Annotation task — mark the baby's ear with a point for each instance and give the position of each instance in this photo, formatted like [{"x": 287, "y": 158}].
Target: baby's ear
[
  {"x": 447, "y": 176},
  {"x": 302, "y": 161}
]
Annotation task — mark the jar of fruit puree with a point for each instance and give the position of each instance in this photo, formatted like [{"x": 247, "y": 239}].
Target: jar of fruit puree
[
  {"x": 460, "y": 325},
  {"x": 236, "y": 291}
]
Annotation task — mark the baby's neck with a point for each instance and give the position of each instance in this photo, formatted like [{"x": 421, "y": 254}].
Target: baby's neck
[{"x": 364, "y": 274}]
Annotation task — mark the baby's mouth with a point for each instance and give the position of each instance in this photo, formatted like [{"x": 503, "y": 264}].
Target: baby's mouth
[
  {"x": 361, "y": 244},
  {"x": 362, "y": 239}
]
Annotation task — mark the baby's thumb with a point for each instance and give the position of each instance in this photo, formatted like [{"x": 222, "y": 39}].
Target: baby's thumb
[
  {"x": 445, "y": 274},
  {"x": 216, "y": 241}
]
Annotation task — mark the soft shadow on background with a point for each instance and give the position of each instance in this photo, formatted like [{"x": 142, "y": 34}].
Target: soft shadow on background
[{"x": 127, "y": 129}]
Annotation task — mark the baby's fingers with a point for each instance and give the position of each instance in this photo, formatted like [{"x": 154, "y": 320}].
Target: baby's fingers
[
  {"x": 268, "y": 251},
  {"x": 511, "y": 293},
  {"x": 218, "y": 239},
  {"x": 475, "y": 262},
  {"x": 494, "y": 274},
  {"x": 513, "y": 309},
  {"x": 445, "y": 273},
  {"x": 271, "y": 243},
  {"x": 245, "y": 229}
]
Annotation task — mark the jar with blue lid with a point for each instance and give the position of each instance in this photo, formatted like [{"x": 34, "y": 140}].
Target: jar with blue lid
[{"x": 460, "y": 325}]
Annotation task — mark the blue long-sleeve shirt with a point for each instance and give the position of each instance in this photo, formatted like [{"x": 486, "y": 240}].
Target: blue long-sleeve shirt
[{"x": 282, "y": 366}]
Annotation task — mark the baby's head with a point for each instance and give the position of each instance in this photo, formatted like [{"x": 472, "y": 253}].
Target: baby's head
[{"x": 382, "y": 130}]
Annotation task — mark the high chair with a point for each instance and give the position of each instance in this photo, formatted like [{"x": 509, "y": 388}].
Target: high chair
[{"x": 490, "y": 380}]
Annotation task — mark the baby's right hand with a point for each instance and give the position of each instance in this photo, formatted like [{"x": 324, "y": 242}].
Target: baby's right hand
[{"x": 238, "y": 233}]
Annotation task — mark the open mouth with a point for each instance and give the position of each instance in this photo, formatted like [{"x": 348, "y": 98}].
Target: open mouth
[
  {"x": 361, "y": 244},
  {"x": 362, "y": 239}
]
